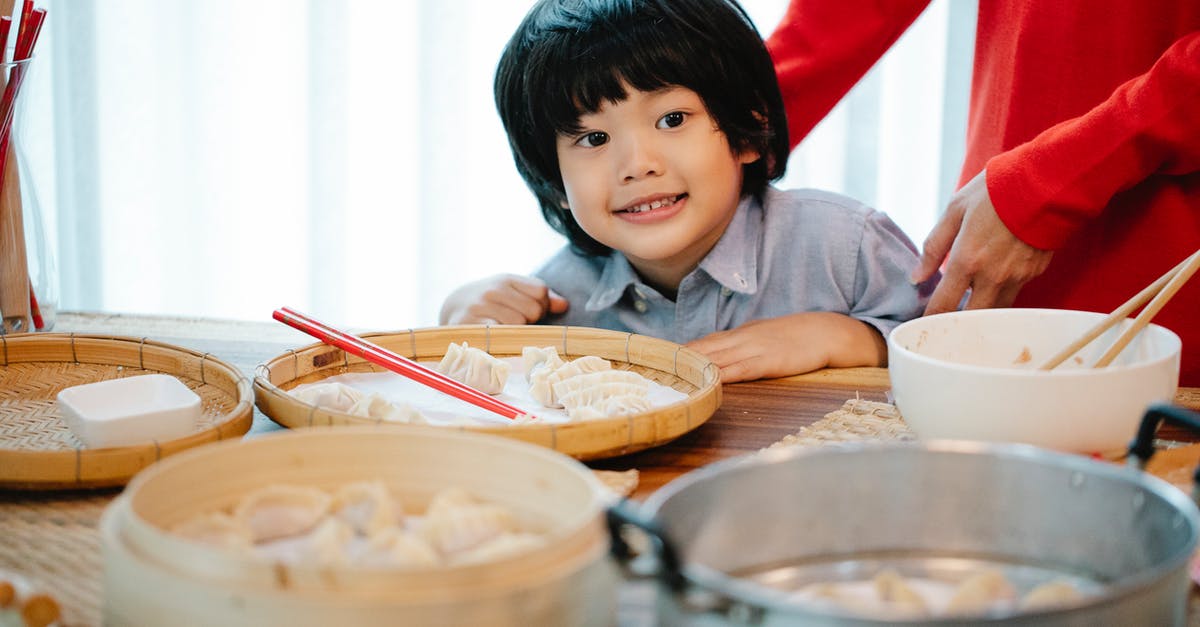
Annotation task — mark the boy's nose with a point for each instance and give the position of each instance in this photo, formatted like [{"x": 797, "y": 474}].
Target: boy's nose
[{"x": 642, "y": 160}]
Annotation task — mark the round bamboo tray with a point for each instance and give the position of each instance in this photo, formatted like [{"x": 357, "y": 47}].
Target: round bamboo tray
[
  {"x": 38, "y": 452},
  {"x": 666, "y": 363}
]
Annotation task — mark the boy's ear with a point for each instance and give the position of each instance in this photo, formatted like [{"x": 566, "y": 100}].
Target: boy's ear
[{"x": 749, "y": 155}]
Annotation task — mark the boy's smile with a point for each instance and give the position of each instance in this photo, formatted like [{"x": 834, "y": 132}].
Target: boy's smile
[{"x": 653, "y": 177}]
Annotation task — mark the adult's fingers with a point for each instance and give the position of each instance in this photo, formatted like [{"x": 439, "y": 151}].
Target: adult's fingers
[
  {"x": 949, "y": 293},
  {"x": 938, "y": 243}
]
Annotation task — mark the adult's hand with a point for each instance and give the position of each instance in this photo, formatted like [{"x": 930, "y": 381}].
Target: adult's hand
[{"x": 983, "y": 254}]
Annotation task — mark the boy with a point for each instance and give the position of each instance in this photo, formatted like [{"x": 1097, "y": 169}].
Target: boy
[{"x": 649, "y": 130}]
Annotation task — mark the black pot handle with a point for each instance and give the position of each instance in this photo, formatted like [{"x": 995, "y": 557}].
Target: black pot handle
[
  {"x": 1142, "y": 447},
  {"x": 624, "y": 513}
]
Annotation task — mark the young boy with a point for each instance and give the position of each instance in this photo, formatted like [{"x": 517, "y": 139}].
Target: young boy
[{"x": 649, "y": 130}]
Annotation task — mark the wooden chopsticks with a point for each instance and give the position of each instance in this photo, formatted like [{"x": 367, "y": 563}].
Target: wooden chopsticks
[
  {"x": 400, "y": 365},
  {"x": 1161, "y": 291}
]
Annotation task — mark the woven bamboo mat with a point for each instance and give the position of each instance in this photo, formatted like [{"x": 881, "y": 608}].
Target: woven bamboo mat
[
  {"x": 856, "y": 419},
  {"x": 51, "y": 541}
]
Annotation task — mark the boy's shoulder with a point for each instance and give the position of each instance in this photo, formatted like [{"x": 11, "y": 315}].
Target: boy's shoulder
[
  {"x": 805, "y": 200},
  {"x": 568, "y": 267}
]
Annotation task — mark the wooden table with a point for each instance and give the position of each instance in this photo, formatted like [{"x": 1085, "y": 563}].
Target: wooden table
[{"x": 752, "y": 415}]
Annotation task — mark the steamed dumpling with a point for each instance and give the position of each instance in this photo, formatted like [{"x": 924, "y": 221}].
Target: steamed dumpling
[
  {"x": 503, "y": 545},
  {"x": 279, "y": 511},
  {"x": 1050, "y": 594},
  {"x": 366, "y": 506},
  {"x": 333, "y": 396},
  {"x": 455, "y": 522},
  {"x": 475, "y": 368},
  {"x": 397, "y": 548},
  {"x": 980, "y": 592},
  {"x": 326, "y": 545},
  {"x": 217, "y": 529}
]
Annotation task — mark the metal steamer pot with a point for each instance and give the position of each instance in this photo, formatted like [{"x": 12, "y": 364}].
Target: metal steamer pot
[{"x": 730, "y": 540}]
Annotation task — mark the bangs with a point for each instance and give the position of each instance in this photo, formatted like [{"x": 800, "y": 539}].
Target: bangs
[{"x": 596, "y": 66}]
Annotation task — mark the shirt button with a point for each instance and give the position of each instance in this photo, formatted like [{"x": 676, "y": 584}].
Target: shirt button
[
  {"x": 740, "y": 279},
  {"x": 726, "y": 292},
  {"x": 640, "y": 306}
]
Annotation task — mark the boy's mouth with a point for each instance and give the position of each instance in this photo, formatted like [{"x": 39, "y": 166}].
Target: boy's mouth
[{"x": 643, "y": 206}]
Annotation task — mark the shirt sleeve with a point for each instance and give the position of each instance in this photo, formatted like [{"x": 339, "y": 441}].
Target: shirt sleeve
[
  {"x": 1046, "y": 189},
  {"x": 883, "y": 295},
  {"x": 821, "y": 48}
]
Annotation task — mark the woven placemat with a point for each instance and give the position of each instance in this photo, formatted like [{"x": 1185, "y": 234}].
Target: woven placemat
[
  {"x": 51, "y": 540},
  {"x": 855, "y": 420}
]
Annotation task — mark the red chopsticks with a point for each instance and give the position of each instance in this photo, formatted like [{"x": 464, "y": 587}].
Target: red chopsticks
[{"x": 400, "y": 365}]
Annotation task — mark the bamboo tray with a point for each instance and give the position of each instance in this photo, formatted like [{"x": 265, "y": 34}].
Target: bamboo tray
[
  {"x": 38, "y": 452},
  {"x": 664, "y": 362}
]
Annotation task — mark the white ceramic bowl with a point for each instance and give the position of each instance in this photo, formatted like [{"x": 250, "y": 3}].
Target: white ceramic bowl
[
  {"x": 130, "y": 410},
  {"x": 972, "y": 375}
]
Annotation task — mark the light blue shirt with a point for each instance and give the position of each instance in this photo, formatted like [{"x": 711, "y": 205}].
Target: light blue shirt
[{"x": 798, "y": 250}]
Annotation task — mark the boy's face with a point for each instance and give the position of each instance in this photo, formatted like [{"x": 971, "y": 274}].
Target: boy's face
[{"x": 653, "y": 177}]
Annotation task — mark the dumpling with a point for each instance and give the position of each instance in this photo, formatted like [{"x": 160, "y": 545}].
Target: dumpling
[
  {"x": 375, "y": 406},
  {"x": 896, "y": 591},
  {"x": 503, "y": 545},
  {"x": 543, "y": 379},
  {"x": 366, "y": 506},
  {"x": 611, "y": 399},
  {"x": 279, "y": 511},
  {"x": 326, "y": 545},
  {"x": 217, "y": 529},
  {"x": 534, "y": 358},
  {"x": 475, "y": 368},
  {"x": 597, "y": 390},
  {"x": 1050, "y": 594},
  {"x": 455, "y": 522},
  {"x": 334, "y": 396},
  {"x": 394, "y": 547},
  {"x": 979, "y": 593}
]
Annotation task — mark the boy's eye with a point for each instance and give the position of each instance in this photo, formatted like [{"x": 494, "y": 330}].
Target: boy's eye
[
  {"x": 593, "y": 139},
  {"x": 672, "y": 119}
]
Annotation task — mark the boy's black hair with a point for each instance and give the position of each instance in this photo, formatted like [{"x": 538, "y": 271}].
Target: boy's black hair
[{"x": 569, "y": 57}]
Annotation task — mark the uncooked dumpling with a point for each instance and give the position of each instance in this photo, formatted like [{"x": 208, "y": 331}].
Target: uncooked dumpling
[
  {"x": 279, "y": 511},
  {"x": 379, "y": 408},
  {"x": 894, "y": 589},
  {"x": 1050, "y": 594},
  {"x": 332, "y": 396},
  {"x": 544, "y": 379},
  {"x": 978, "y": 594},
  {"x": 534, "y": 358},
  {"x": 475, "y": 368}
]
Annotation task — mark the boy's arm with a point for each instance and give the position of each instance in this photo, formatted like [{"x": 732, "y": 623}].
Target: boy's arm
[
  {"x": 793, "y": 344},
  {"x": 501, "y": 299}
]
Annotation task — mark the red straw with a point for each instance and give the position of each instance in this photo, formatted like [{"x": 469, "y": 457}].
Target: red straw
[{"x": 400, "y": 365}]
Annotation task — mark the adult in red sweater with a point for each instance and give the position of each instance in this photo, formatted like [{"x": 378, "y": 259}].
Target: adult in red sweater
[{"x": 1081, "y": 182}]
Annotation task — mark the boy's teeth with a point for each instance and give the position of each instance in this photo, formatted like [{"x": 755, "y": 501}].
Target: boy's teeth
[{"x": 655, "y": 204}]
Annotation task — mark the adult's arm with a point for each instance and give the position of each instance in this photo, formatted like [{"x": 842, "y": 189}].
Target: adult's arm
[
  {"x": 821, "y": 48},
  {"x": 1046, "y": 189}
]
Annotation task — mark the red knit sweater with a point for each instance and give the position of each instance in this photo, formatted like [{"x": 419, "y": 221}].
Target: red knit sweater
[{"x": 1086, "y": 115}]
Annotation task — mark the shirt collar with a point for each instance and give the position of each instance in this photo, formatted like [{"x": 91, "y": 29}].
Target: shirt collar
[{"x": 733, "y": 262}]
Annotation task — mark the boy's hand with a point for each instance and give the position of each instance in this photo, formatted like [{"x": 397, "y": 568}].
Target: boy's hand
[
  {"x": 501, "y": 299},
  {"x": 792, "y": 344}
]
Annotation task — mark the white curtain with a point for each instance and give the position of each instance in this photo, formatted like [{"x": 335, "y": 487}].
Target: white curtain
[{"x": 344, "y": 157}]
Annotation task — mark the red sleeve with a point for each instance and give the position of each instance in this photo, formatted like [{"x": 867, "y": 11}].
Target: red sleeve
[
  {"x": 1046, "y": 189},
  {"x": 822, "y": 48}
]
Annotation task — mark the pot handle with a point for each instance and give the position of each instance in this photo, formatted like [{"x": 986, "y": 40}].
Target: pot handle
[
  {"x": 691, "y": 598},
  {"x": 1142, "y": 447},
  {"x": 623, "y": 513}
]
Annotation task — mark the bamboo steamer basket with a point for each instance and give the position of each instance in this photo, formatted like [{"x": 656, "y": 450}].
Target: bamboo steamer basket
[
  {"x": 152, "y": 577},
  {"x": 39, "y": 452},
  {"x": 664, "y": 362}
]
